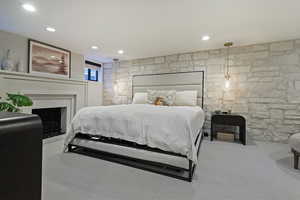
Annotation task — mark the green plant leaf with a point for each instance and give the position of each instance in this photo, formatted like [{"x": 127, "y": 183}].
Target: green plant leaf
[
  {"x": 19, "y": 100},
  {"x": 7, "y": 107}
]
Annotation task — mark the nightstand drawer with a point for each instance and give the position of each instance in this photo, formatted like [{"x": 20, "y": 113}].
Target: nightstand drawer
[{"x": 232, "y": 120}]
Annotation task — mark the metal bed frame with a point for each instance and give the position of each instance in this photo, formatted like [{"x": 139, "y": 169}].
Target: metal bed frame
[{"x": 157, "y": 167}]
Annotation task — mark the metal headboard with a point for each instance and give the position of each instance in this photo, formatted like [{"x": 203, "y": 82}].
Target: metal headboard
[{"x": 184, "y": 83}]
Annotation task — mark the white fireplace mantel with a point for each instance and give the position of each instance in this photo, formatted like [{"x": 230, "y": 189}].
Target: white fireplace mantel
[
  {"x": 50, "y": 99},
  {"x": 53, "y": 100},
  {"x": 44, "y": 87},
  {"x": 27, "y": 76}
]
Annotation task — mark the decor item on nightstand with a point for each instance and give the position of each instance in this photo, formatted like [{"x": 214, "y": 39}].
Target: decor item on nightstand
[
  {"x": 294, "y": 142},
  {"x": 227, "y": 74},
  {"x": 8, "y": 63},
  {"x": 217, "y": 111},
  {"x": 14, "y": 102},
  {"x": 48, "y": 60},
  {"x": 228, "y": 120}
]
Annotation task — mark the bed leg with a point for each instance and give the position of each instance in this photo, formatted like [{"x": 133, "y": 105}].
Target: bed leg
[
  {"x": 191, "y": 171},
  {"x": 296, "y": 159}
]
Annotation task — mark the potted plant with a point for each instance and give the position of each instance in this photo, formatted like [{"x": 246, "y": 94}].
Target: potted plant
[{"x": 13, "y": 102}]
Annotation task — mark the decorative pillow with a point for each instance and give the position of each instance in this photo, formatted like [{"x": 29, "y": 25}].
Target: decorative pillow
[
  {"x": 168, "y": 96},
  {"x": 186, "y": 98},
  {"x": 140, "y": 98}
]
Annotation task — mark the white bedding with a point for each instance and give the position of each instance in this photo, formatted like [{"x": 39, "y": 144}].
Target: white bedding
[{"x": 170, "y": 128}]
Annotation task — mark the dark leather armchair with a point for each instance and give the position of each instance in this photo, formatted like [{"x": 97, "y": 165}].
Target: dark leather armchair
[{"x": 20, "y": 156}]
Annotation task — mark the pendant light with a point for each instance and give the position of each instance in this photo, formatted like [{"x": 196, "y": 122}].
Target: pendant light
[{"x": 227, "y": 75}]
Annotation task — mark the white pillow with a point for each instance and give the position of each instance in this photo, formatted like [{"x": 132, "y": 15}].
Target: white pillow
[
  {"x": 186, "y": 98},
  {"x": 168, "y": 96},
  {"x": 140, "y": 98}
]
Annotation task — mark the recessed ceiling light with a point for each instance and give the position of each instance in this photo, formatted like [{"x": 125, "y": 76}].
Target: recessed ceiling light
[
  {"x": 50, "y": 29},
  {"x": 29, "y": 7},
  {"x": 95, "y": 47},
  {"x": 120, "y": 51},
  {"x": 205, "y": 37}
]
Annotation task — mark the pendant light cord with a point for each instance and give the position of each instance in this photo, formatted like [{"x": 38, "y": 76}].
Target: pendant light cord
[
  {"x": 228, "y": 45},
  {"x": 227, "y": 73}
]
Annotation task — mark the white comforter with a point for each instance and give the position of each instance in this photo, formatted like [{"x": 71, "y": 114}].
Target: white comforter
[{"x": 168, "y": 128}]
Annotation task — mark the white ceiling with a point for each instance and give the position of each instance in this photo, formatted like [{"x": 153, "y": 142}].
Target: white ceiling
[{"x": 146, "y": 28}]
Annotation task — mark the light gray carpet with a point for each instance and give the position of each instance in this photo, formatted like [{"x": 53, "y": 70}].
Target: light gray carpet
[{"x": 226, "y": 171}]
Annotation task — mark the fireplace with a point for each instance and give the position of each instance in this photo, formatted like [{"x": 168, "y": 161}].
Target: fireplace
[{"x": 53, "y": 120}]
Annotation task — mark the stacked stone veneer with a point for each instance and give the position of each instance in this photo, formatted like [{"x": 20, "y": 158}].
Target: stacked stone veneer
[{"x": 265, "y": 84}]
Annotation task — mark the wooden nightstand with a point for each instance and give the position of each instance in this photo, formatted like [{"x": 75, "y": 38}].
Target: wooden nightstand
[{"x": 230, "y": 120}]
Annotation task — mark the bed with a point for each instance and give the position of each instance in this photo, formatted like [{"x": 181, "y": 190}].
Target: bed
[{"x": 161, "y": 139}]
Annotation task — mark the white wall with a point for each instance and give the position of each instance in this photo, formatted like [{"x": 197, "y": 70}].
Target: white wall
[
  {"x": 95, "y": 89},
  {"x": 95, "y": 93},
  {"x": 77, "y": 66}
]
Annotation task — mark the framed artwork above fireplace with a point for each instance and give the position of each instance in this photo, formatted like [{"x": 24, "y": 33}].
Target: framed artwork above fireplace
[{"x": 48, "y": 60}]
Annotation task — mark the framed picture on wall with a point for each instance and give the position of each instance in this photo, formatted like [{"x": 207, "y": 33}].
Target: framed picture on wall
[{"x": 48, "y": 60}]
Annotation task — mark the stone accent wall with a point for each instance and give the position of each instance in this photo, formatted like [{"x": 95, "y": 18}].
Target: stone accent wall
[{"x": 265, "y": 84}]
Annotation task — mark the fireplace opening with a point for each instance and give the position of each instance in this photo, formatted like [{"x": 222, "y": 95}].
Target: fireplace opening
[{"x": 53, "y": 120}]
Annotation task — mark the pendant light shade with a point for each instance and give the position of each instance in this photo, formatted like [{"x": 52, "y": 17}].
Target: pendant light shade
[{"x": 227, "y": 83}]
